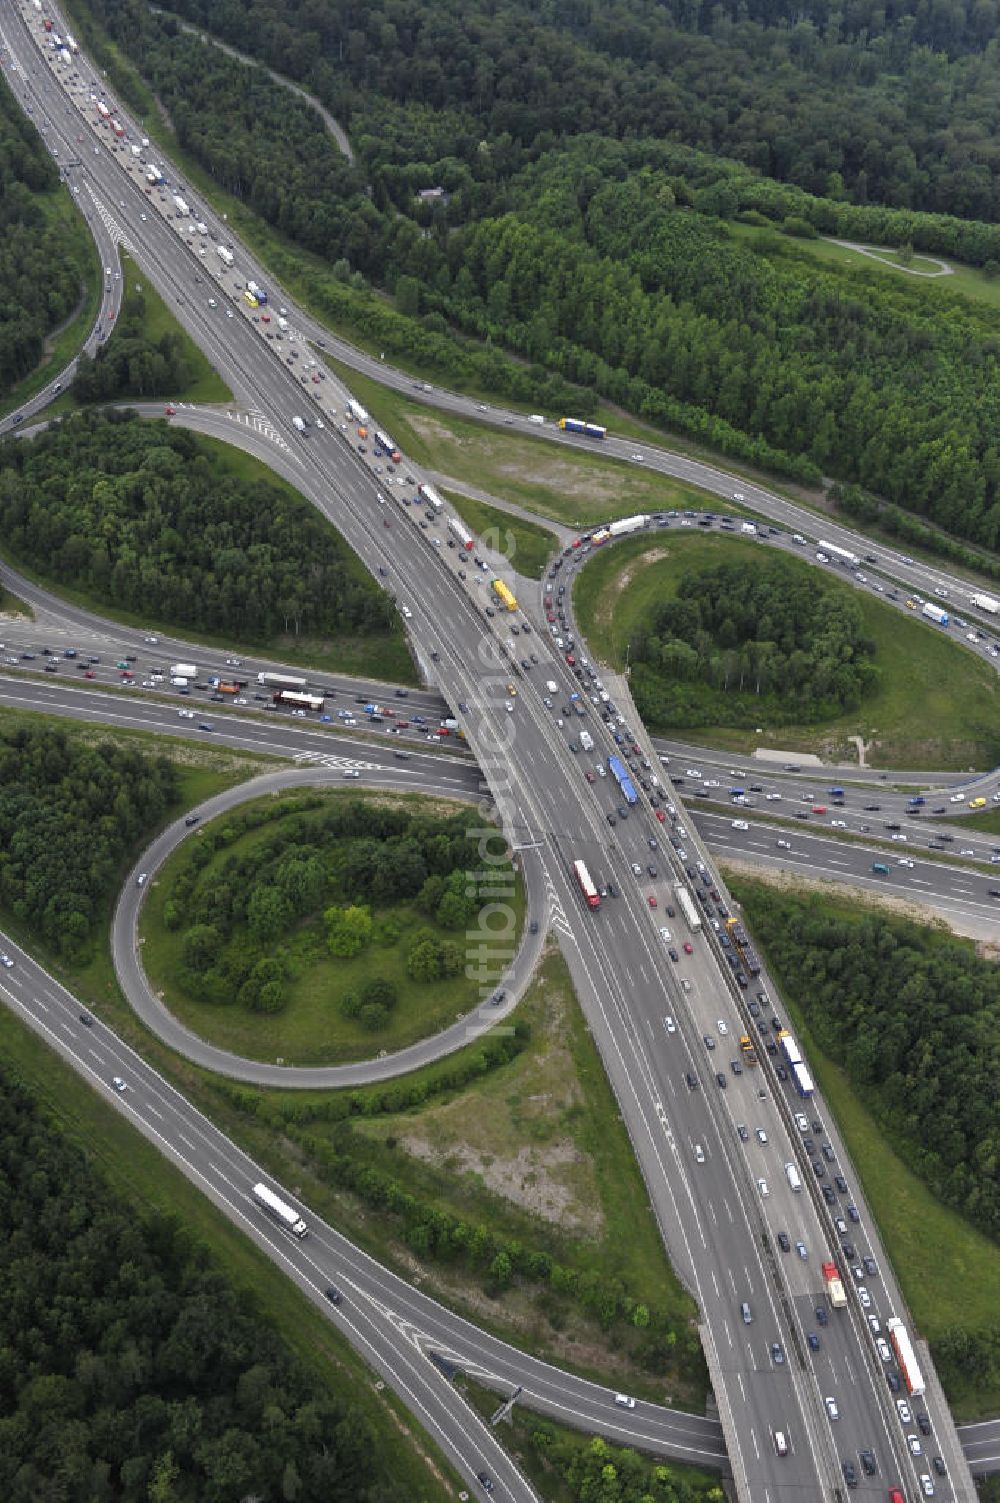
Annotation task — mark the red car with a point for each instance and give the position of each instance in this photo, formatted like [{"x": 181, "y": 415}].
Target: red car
[
  {"x": 688, "y": 947},
  {"x": 651, "y": 900},
  {"x": 90, "y": 673},
  {"x": 819, "y": 808},
  {"x": 571, "y": 660},
  {"x": 550, "y": 616},
  {"x": 169, "y": 410},
  {"x": 589, "y": 776},
  {"x": 661, "y": 816}
]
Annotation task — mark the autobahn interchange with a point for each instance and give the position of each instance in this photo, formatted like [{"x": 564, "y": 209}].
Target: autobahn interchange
[{"x": 536, "y": 788}]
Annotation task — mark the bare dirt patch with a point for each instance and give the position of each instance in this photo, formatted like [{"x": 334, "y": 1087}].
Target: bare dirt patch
[{"x": 530, "y": 1179}]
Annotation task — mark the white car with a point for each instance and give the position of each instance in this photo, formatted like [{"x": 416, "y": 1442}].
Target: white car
[
  {"x": 699, "y": 1153},
  {"x": 624, "y": 1401},
  {"x": 407, "y": 612},
  {"x": 838, "y": 824},
  {"x": 761, "y": 1135},
  {"x": 5, "y": 960},
  {"x": 119, "y": 1084},
  {"x": 509, "y": 707},
  {"x": 669, "y": 1024},
  {"x": 693, "y": 772},
  {"x": 864, "y": 1297},
  {"x": 352, "y": 772},
  {"x": 905, "y": 861},
  {"x": 721, "y": 1025},
  {"x": 186, "y": 714},
  {"x": 900, "y": 837},
  {"x": 773, "y": 797},
  {"x": 904, "y": 1411},
  {"x": 957, "y": 798},
  {"x": 882, "y": 1347},
  {"x": 740, "y": 824},
  {"x": 762, "y": 1187},
  {"x": 913, "y": 1441},
  {"x": 927, "y": 1484},
  {"x": 831, "y": 1407},
  {"x": 801, "y": 1122},
  {"x": 967, "y": 851}
]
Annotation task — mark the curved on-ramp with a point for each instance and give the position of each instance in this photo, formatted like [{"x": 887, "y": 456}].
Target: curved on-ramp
[{"x": 150, "y": 1008}]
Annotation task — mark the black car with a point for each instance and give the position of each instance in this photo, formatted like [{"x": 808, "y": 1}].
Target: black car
[
  {"x": 841, "y": 1183},
  {"x": 868, "y": 1462},
  {"x": 850, "y": 1473},
  {"x": 720, "y": 1080},
  {"x": 333, "y": 1295},
  {"x": 692, "y": 1081},
  {"x": 192, "y": 819},
  {"x": 924, "y": 1424},
  {"x": 486, "y": 1480},
  {"x": 86, "y": 1019},
  {"x": 783, "y": 1242},
  {"x": 821, "y": 1316}
]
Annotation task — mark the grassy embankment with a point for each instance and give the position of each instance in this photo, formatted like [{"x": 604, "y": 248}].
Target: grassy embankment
[
  {"x": 575, "y": 486},
  {"x": 949, "y": 1272},
  {"x": 936, "y": 706},
  {"x": 311, "y": 1030}
]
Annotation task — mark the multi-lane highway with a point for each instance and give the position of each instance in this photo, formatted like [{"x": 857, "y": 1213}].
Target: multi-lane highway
[{"x": 722, "y": 1228}]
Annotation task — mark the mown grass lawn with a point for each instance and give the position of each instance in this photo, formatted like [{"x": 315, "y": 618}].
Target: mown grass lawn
[
  {"x": 577, "y": 486},
  {"x": 936, "y": 705}
]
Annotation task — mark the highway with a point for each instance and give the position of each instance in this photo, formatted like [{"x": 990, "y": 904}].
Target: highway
[{"x": 719, "y": 1226}]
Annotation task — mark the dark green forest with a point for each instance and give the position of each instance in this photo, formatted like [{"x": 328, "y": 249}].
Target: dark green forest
[
  {"x": 898, "y": 105},
  {"x": 914, "y": 1019},
  {"x": 71, "y": 815},
  {"x": 130, "y": 1369},
  {"x": 338, "y": 861},
  {"x": 44, "y": 258},
  {"x": 604, "y": 259},
  {"x": 129, "y": 364},
  {"x": 739, "y": 643},
  {"x": 148, "y": 519}
]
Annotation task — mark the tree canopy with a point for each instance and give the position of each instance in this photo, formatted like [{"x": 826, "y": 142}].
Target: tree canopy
[
  {"x": 737, "y": 643},
  {"x": 130, "y": 1369},
  {"x": 151, "y": 520},
  {"x": 914, "y": 1019},
  {"x": 71, "y": 814},
  {"x": 44, "y": 254}
]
